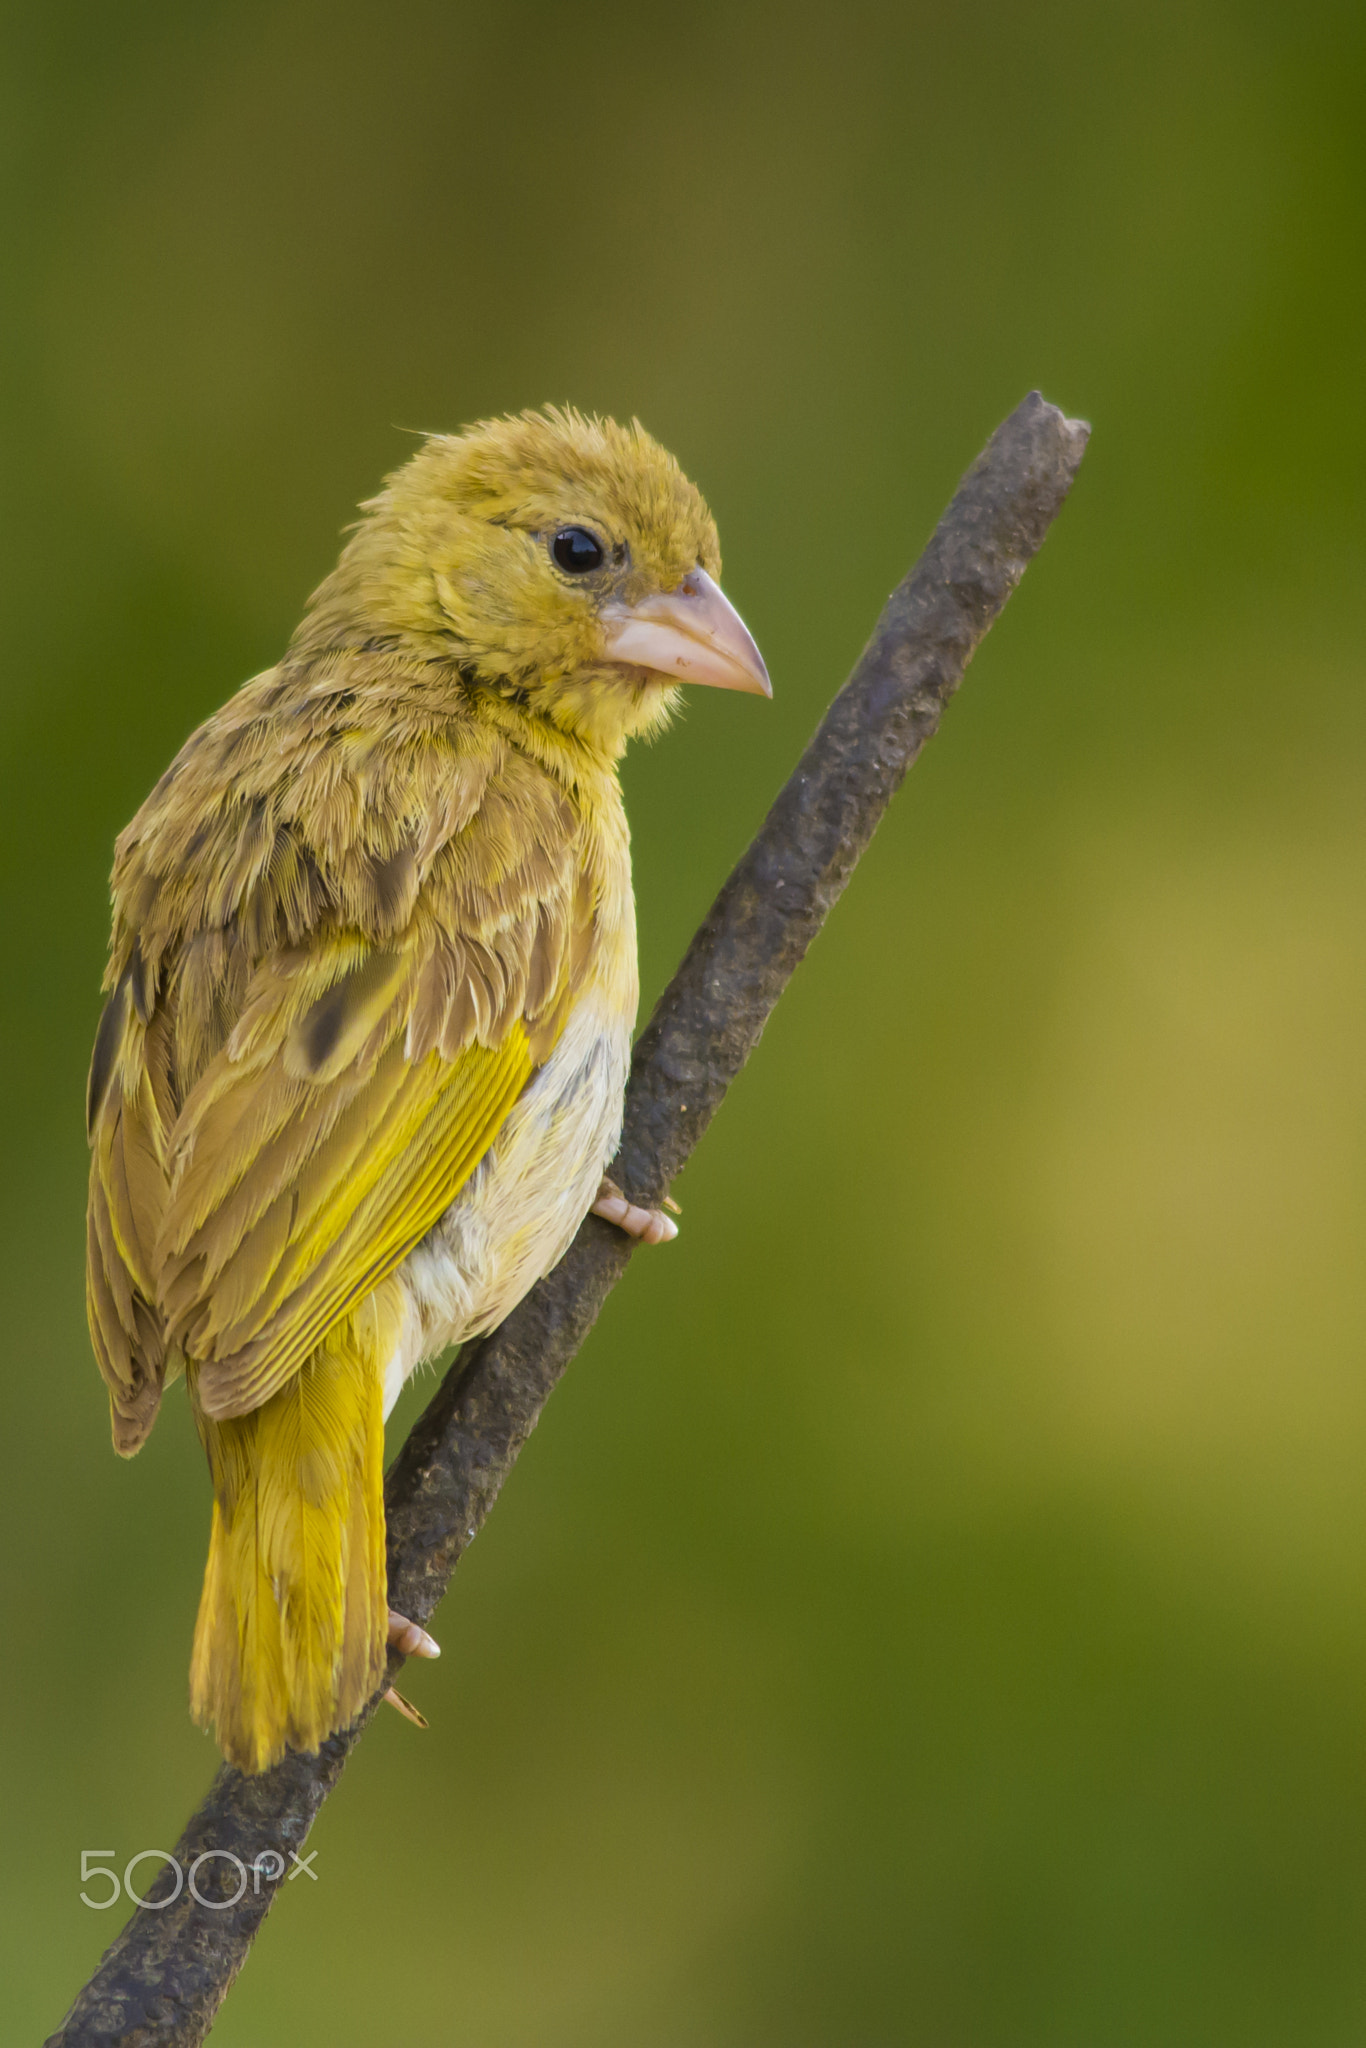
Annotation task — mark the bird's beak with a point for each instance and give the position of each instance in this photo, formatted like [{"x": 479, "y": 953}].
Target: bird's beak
[{"x": 693, "y": 632}]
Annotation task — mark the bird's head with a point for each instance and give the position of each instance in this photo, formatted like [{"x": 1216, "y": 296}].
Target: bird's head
[{"x": 566, "y": 563}]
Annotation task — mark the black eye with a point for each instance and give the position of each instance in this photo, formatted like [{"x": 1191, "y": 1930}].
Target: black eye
[{"x": 577, "y": 550}]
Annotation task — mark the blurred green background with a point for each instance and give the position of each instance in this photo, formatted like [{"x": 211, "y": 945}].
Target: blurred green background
[{"x": 934, "y": 1608}]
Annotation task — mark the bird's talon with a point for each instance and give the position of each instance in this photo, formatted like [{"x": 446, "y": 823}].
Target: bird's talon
[
  {"x": 394, "y": 1698},
  {"x": 646, "y": 1226},
  {"x": 413, "y": 1641}
]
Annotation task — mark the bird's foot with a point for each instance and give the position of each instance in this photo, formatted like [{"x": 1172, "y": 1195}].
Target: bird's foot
[
  {"x": 647, "y": 1226},
  {"x": 413, "y": 1641},
  {"x": 405, "y": 1707}
]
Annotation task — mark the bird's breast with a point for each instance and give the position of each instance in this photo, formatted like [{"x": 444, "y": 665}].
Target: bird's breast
[{"x": 515, "y": 1216}]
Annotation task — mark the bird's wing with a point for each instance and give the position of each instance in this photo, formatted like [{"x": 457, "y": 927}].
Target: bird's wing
[
  {"x": 363, "y": 1080},
  {"x": 358, "y": 1092}
]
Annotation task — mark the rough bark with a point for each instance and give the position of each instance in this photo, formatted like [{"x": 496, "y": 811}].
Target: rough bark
[{"x": 167, "y": 1972}]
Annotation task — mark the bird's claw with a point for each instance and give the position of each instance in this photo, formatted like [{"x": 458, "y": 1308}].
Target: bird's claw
[
  {"x": 412, "y": 1641},
  {"x": 646, "y": 1226},
  {"x": 394, "y": 1698}
]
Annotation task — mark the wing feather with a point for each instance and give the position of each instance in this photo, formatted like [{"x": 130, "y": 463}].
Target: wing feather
[
  {"x": 130, "y": 1108},
  {"x": 311, "y": 1043}
]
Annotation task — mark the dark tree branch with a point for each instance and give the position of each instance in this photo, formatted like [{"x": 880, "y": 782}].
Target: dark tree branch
[{"x": 163, "y": 1979}]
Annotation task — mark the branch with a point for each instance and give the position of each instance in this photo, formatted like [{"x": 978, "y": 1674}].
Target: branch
[{"x": 164, "y": 1977}]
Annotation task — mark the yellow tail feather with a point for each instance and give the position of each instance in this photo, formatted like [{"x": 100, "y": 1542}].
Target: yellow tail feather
[{"x": 293, "y": 1619}]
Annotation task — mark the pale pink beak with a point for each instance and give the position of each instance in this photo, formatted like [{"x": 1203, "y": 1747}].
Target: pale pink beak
[{"x": 693, "y": 632}]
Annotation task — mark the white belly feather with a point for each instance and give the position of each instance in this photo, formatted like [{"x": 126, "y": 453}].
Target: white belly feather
[{"x": 515, "y": 1216}]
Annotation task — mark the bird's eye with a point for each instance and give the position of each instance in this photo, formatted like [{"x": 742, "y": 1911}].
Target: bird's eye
[{"x": 576, "y": 549}]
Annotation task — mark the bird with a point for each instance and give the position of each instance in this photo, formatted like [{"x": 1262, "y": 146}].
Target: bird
[{"x": 370, "y": 994}]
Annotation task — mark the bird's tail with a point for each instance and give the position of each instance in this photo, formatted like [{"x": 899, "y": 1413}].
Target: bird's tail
[{"x": 290, "y": 1640}]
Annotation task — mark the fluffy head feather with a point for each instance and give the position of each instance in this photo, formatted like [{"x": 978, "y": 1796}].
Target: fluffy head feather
[{"x": 452, "y": 563}]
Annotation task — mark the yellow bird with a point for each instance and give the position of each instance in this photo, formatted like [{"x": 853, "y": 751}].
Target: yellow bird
[{"x": 372, "y": 983}]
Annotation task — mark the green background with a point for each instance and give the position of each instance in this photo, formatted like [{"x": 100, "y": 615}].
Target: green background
[{"x": 934, "y": 1608}]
